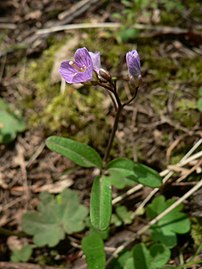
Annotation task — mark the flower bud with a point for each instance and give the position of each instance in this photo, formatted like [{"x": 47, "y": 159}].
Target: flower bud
[
  {"x": 133, "y": 63},
  {"x": 104, "y": 75},
  {"x": 135, "y": 82}
]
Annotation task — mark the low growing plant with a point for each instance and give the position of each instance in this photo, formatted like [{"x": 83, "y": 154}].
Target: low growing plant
[
  {"x": 10, "y": 123},
  {"x": 63, "y": 214}
]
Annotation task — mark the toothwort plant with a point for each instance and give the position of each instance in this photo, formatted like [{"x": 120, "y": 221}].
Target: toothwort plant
[{"x": 86, "y": 68}]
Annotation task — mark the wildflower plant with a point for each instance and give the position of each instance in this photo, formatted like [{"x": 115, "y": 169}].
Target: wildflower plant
[{"x": 86, "y": 68}]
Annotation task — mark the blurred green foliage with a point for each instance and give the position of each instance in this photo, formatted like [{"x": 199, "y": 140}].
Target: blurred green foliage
[
  {"x": 10, "y": 123},
  {"x": 54, "y": 218}
]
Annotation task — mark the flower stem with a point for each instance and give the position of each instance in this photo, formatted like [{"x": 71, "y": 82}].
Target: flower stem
[
  {"x": 112, "y": 135},
  {"x": 113, "y": 90}
]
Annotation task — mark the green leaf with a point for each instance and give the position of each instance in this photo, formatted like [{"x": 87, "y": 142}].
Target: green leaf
[
  {"x": 93, "y": 249},
  {"x": 53, "y": 219},
  {"x": 119, "y": 170},
  {"x": 101, "y": 203},
  {"x": 122, "y": 171},
  {"x": 22, "y": 255},
  {"x": 154, "y": 258},
  {"x": 77, "y": 152},
  {"x": 199, "y": 104},
  {"x": 116, "y": 220},
  {"x": 125, "y": 215},
  {"x": 200, "y": 91},
  {"x": 175, "y": 222},
  {"x": 121, "y": 167},
  {"x": 146, "y": 176},
  {"x": 160, "y": 255},
  {"x": 10, "y": 123},
  {"x": 142, "y": 257},
  {"x": 129, "y": 264},
  {"x": 123, "y": 258}
]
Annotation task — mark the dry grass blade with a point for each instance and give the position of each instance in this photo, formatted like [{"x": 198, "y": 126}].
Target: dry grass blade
[{"x": 77, "y": 26}]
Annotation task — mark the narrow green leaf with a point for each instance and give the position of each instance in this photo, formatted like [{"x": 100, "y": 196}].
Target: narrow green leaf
[
  {"x": 118, "y": 170},
  {"x": 101, "y": 203},
  {"x": 141, "y": 256},
  {"x": 121, "y": 169},
  {"x": 146, "y": 176},
  {"x": 77, "y": 152},
  {"x": 93, "y": 249}
]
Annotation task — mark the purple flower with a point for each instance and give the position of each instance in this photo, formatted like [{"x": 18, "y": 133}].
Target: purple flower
[
  {"x": 96, "y": 61},
  {"x": 80, "y": 69},
  {"x": 133, "y": 63}
]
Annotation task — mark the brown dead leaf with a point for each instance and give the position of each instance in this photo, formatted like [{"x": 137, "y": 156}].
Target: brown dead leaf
[
  {"x": 55, "y": 187},
  {"x": 14, "y": 243}
]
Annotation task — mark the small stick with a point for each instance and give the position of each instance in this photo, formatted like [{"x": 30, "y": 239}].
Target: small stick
[{"x": 77, "y": 26}]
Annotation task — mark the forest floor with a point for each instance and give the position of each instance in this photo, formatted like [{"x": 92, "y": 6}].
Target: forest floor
[{"x": 158, "y": 129}]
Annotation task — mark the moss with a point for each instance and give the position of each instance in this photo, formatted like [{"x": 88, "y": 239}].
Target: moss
[
  {"x": 196, "y": 231},
  {"x": 79, "y": 113},
  {"x": 67, "y": 112}
]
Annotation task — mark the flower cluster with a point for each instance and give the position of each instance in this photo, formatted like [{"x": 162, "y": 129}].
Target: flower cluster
[{"x": 85, "y": 63}]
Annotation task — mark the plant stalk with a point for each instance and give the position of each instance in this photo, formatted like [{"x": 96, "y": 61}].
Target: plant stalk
[{"x": 112, "y": 135}]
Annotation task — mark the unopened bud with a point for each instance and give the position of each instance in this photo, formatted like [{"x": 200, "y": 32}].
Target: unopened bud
[
  {"x": 104, "y": 75},
  {"x": 135, "y": 82}
]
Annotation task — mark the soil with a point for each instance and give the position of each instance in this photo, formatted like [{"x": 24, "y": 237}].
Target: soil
[{"x": 152, "y": 133}]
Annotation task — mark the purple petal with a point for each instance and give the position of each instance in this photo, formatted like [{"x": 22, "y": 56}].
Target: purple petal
[
  {"x": 80, "y": 70},
  {"x": 67, "y": 71},
  {"x": 96, "y": 60},
  {"x": 82, "y": 76},
  {"x": 133, "y": 63},
  {"x": 82, "y": 58}
]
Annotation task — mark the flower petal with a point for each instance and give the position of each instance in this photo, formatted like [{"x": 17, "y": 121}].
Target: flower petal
[
  {"x": 133, "y": 63},
  {"x": 80, "y": 77},
  {"x": 96, "y": 60},
  {"x": 82, "y": 58},
  {"x": 67, "y": 71}
]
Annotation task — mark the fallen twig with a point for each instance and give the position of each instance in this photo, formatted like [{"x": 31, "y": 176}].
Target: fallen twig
[{"x": 77, "y": 26}]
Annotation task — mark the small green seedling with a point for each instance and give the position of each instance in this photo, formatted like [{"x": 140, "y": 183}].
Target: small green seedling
[
  {"x": 54, "y": 218},
  {"x": 175, "y": 222}
]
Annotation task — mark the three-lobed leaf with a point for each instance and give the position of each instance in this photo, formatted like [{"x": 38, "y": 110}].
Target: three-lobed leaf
[
  {"x": 93, "y": 248},
  {"x": 101, "y": 203},
  {"x": 77, "y": 152},
  {"x": 175, "y": 222},
  {"x": 141, "y": 257},
  {"x": 55, "y": 217},
  {"x": 160, "y": 255}
]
